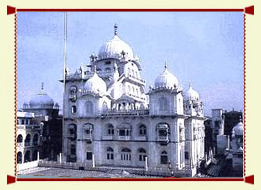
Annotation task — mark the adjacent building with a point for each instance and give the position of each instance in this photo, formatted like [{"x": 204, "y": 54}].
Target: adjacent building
[{"x": 39, "y": 129}]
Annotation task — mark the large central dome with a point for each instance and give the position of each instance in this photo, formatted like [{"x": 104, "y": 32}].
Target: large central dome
[{"x": 115, "y": 48}]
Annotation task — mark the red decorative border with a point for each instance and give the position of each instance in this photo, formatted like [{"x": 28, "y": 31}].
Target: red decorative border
[
  {"x": 244, "y": 91},
  {"x": 246, "y": 10},
  {"x": 15, "y": 90}
]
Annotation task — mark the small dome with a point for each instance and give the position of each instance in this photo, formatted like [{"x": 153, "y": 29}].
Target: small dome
[
  {"x": 191, "y": 94},
  {"x": 115, "y": 48},
  {"x": 238, "y": 130},
  {"x": 41, "y": 100},
  {"x": 95, "y": 84},
  {"x": 166, "y": 79}
]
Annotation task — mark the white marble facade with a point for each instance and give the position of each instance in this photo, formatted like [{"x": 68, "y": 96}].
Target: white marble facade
[{"x": 111, "y": 121}]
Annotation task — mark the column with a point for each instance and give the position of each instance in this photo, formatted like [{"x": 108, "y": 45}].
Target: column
[{"x": 93, "y": 160}]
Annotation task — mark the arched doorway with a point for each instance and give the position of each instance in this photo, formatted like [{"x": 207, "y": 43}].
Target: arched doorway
[
  {"x": 27, "y": 157},
  {"x": 35, "y": 153},
  {"x": 19, "y": 158}
]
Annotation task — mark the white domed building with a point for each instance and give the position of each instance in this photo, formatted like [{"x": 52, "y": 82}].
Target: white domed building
[{"x": 110, "y": 121}]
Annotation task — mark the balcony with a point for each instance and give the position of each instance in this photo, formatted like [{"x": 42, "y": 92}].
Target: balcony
[
  {"x": 27, "y": 144},
  {"x": 141, "y": 138},
  {"x": 20, "y": 144},
  {"x": 162, "y": 138},
  {"x": 124, "y": 138},
  {"x": 72, "y": 97},
  {"x": 87, "y": 138},
  {"x": 107, "y": 137},
  {"x": 125, "y": 112},
  {"x": 71, "y": 136},
  {"x": 136, "y": 79}
]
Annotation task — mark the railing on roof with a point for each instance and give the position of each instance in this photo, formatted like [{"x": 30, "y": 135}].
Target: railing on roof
[{"x": 125, "y": 112}]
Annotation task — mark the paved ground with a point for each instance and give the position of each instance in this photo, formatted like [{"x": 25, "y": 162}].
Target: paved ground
[{"x": 66, "y": 173}]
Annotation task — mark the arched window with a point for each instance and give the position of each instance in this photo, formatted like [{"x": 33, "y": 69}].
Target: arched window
[
  {"x": 142, "y": 130},
  {"x": 73, "y": 109},
  {"x": 104, "y": 106},
  {"x": 163, "y": 104},
  {"x": 89, "y": 107},
  {"x": 27, "y": 157},
  {"x": 164, "y": 157},
  {"x": 20, "y": 139},
  {"x": 110, "y": 129},
  {"x": 19, "y": 157},
  {"x": 126, "y": 154},
  {"x": 27, "y": 140},
  {"x": 142, "y": 154},
  {"x": 72, "y": 130},
  {"x": 110, "y": 154},
  {"x": 73, "y": 149},
  {"x": 35, "y": 139}
]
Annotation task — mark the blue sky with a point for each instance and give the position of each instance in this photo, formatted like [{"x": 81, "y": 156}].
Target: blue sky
[{"x": 204, "y": 48}]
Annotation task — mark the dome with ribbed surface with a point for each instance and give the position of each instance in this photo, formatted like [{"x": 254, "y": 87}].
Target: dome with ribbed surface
[
  {"x": 115, "y": 48},
  {"x": 191, "y": 94},
  {"x": 95, "y": 84},
  {"x": 166, "y": 80},
  {"x": 41, "y": 100}
]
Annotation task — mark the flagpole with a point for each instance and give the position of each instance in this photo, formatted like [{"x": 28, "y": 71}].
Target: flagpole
[{"x": 64, "y": 78}]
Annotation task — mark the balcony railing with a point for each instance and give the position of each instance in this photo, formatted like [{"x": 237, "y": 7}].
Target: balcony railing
[
  {"x": 125, "y": 112},
  {"x": 162, "y": 138},
  {"x": 107, "y": 137},
  {"x": 124, "y": 138},
  {"x": 141, "y": 138},
  {"x": 27, "y": 144},
  {"x": 19, "y": 144}
]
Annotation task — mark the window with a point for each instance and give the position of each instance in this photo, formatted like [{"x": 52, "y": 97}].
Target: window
[
  {"x": 89, "y": 107},
  {"x": 19, "y": 157},
  {"x": 107, "y": 62},
  {"x": 186, "y": 155},
  {"x": 87, "y": 131},
  {"x": 19, "y": 139},
  {"x": 104, "y": 106},
  {"x": 126, "y": 154},
  {"x": 124, "y": 132},
  {"x": 163, "y": 104},
  {"x": 27, "y": 140},
  {"x": 164, "y": 157},
  {"x": 22, "y": 122},
  {"x": 142, "y": 130},
  {"x": 142, "y": 154},
  {"x": 18, "y": 122},
  {"x": 110, "y": 129},
  {"x": 89, "y": 156},
  {"x": 107, "y": 70},
  {"x": 73, "y": 109},
  {"x": 110, "y": 153},
  {"x": 73, "y": 149}
]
